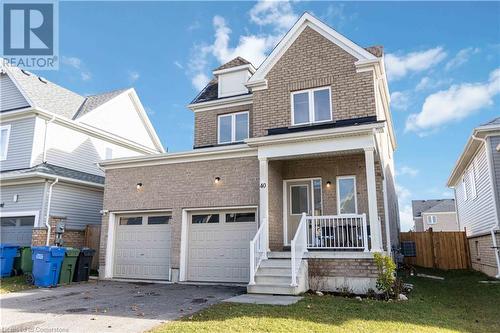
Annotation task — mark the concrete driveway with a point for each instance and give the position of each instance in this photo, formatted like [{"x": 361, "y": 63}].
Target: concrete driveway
[{"x": 106, "y": 306}]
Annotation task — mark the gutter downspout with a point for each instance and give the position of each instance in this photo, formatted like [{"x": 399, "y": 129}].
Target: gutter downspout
[
  {"x": 497, "y": 227},
  {"x": 47, "y": 122},
  {"x": 47, "y": 224}
]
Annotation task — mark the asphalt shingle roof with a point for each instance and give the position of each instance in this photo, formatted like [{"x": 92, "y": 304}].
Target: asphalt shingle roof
[
  {"x": 424, "y": 206},
  {"x": 495, "y": 121},
  {"x": 57, "y": 171},
  {"x": 94, "y": 101}
]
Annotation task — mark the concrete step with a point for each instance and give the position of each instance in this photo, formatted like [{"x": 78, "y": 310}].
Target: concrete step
[
  {"x": 272, "y": 289},
  {"x": 274, "y": 271},
  {"x": 279, "y": 254},
  {"x": 272, "y": 279},
  {"x": 276, "y": 263}
]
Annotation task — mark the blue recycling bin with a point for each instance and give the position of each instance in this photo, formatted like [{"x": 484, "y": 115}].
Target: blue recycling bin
[
  {"x": 7, "y": 254},
  {"x": 47, "y": 262}
]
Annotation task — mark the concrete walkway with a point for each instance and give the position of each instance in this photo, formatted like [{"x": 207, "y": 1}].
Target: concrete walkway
[
  {"x": 264, "y": 299},
  {"x": 106, "y": 306}
]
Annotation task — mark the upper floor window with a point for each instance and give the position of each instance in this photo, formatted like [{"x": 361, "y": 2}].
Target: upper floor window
[
  {"x": 311, "y": 106},
  {"x": 4, "y": 141},
  {"x": 431, "y": 219},
  {"x": 233, "y": 127}
]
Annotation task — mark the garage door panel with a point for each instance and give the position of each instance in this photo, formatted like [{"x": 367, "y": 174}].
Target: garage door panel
[
  {"x": 142, "y": 251},
  {"x": 219, "y": 252}
]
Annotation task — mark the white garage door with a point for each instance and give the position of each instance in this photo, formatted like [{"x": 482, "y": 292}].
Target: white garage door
[
  {"x": 142, "y": 247},
  {"x": 17, "y": 230},
  {"x": 219, "y": 245}
]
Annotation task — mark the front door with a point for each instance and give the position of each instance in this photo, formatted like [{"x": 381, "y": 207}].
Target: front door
[{"x": 302, "y": 196}]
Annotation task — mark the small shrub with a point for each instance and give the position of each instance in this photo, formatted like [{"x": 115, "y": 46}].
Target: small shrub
[
  {"x": 371, "y": 294},
  {"x": 345, "y": 290},
  {"x": 386, "y": 274}
]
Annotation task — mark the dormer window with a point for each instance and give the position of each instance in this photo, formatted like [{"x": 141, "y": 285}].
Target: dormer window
[
  {"x": 233, "y": 127},
  {"x": 4, "y": 141},
  {"x": 311, "y": 106}
]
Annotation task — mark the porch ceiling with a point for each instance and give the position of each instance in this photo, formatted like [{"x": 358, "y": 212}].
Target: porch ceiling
[{"x": 318, "y": 155}]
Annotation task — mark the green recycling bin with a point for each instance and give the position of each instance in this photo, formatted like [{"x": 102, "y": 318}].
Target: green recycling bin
[
  {"x": 68, "y": 265},
  {"x": 23, "y": 263}
]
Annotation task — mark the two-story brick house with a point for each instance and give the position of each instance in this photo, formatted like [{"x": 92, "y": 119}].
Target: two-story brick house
[{"x": 290, "y": 181}]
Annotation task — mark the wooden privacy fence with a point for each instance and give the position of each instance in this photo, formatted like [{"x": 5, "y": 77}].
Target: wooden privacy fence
[
  {"x": 92, "y": 240},
  {"x": 443, "y": 250}
]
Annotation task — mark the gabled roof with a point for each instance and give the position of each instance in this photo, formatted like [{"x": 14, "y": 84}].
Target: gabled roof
[
  {"x": 94, "y": 101},
  {"x": 50, "y": 169},
  {"x": 238, "y": 61},
  {"x": 425, "y": 206},
  {"x": 495, "y": 121},
  {"x": 307, "y": 20}
]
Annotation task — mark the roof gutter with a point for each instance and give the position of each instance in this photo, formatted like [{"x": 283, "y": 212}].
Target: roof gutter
[{"x": 49, "y": 176}]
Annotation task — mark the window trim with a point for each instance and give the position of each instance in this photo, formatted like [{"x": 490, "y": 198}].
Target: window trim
[
  {"x": 233, "y": 126},
  {"x": 431, "y": 219},
  {"x": 311, "y": 105},
  {"x": 353, "y": 177},
  {"x": 308, "y": 198},
  {"x": 3, "y": 155}
]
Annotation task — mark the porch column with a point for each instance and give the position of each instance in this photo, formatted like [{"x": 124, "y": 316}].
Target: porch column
[
  {"x": 264, "y": 194},
  {"x": 375, "y": 232}
]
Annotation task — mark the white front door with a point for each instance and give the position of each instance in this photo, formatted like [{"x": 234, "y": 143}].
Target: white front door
[{"x": 302, "y": 196}]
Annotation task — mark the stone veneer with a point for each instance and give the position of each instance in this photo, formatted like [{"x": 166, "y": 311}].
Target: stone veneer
[{"x": 482, "y": 255}]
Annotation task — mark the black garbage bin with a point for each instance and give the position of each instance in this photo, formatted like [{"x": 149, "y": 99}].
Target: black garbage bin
[{"x": 83, "y": 265}]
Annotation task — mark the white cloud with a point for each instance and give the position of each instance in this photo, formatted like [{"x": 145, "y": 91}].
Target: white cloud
[
  {"x": 407, "y": 171},
  {"x": 279, "y": 14},
  {"x": 178, "y": 64},
  {"x": 403, "y": 193},
  {"x": 133, "y": 76},
  {"x": 405, "y": 211},
  {"x": 461, "y": 58},
  {"x": 454, "y": 104},
  {"x": 199, "y": 81},
  {"x": 77, "y": 64},
  {"x": 336, "y": 14},
  {"x": 400, "y": 100},
  {"x": 399, "y": 66},
  {"x": 194, "y": 26},
  {"x": 430, "y": 83}
]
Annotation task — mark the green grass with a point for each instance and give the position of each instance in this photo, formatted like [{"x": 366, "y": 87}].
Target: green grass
[
  {"x": 13, "y": 284},
  {"x": 457, "y": 304}
]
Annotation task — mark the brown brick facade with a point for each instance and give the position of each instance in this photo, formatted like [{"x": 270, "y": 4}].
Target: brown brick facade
[
  {"x": 71, "y": 238},
  {"x": 176, "y": 186},
  {"x": 482, "y": 255},
  {"x": 206, "y": 123},
  {"x": 328, "y": 169},
  {"x": 349, "y": 268},
  {"x": 313, "y": 61}
]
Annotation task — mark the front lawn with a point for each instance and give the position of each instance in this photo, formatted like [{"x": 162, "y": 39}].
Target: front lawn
[
  {"x": 15, "y": 283},
  {"x": 457, "y": 304}
]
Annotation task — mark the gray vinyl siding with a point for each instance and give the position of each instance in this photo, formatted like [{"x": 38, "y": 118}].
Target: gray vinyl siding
[
  {"x": 80, "y": 205},
  {"x": 478, "y": 214},
  {"x": 495, "y": 157},
  {"x": 20, "y": 144},
  {"x": 10, "y": 97},
  {"x": 30, "y": 197}
]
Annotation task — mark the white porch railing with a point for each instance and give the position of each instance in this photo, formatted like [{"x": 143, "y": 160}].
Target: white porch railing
[
  {"x": 258, "y": 249},
  {"x": 337, "y": 232},
  {"x": 298, "y": 248}
]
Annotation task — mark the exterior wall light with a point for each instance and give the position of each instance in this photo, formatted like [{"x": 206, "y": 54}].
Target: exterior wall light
[
  {"x": 138, "y": 186},
  {"x": 328, "y": 184},
  {"x": 217, "y": 180}
]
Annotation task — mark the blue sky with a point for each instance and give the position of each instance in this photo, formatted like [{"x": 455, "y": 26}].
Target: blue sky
[{"x": 441, "y": 60}]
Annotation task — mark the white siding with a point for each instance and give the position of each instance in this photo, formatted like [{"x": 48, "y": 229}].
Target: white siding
[
  {"x": 20, "y": 144},
  {"x": 76, "y": 150},
  {"x": 478, "y": 214},
  {"x": 80, "y": 205},
  {"x": 29, "y": 197},
  {"x": 120, "y": 117},
  {"x": 10, "y": 97},
  {"x": 232, "y": 84}
]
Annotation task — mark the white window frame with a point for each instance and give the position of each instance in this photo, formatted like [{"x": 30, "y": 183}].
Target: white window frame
[
  {"x": 311, "y": 105},
  {"x": 3, "y": 155},
  {"x": 308, "y": 198},
  {"x": 431, "y": 219},
  {"x": 233, "y": 126},
  {"x": 472, "y": 181},
  {"x": 464, "y": 188},
  {"x": 355, "y": 195}
]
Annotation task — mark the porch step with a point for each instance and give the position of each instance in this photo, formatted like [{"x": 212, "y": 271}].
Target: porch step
[
  {"x": 274, "y": 270},
  {"x": 279, "y": 255},
  {"x": 273, "y": 289},
  {"x": 278, "y": 263},
  {"x": 263, "y": 279}
]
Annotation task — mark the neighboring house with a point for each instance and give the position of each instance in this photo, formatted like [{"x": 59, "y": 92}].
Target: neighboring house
[
  {"x": 476, "y": 182},
  {"x": 51, "y": 141},
  {"x": 290, "y": 183},
  {"x": 440, "y": 215}
]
